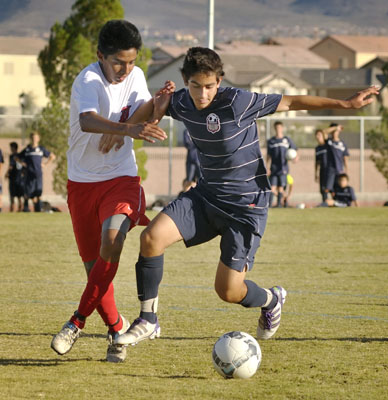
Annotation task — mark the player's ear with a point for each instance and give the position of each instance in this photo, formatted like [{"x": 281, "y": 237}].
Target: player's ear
[
  {"x": 100, "y": 55},
  {"x": 219, "y": 80}
]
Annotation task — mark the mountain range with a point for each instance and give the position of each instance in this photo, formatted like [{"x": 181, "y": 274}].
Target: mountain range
[{"x": 232, "y": 18}]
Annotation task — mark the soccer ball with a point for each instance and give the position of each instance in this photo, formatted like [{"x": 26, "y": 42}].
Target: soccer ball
[
  {"x": 290, "y": 154},
  {"x": 236, "y": 355}
]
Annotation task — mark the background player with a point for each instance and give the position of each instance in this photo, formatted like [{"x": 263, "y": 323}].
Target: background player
[
  {"x": 105, "y": 198},
  {"x": 337, "y": 157},
  {"x": 321, "y": 162},
  {"x": 344, "y": 195},
  {"x": 230, "y": 200},
  {"x": 16, "y": 179},
  {"x": 277, "y": 162},
  {"x": 31, "y": 159}
]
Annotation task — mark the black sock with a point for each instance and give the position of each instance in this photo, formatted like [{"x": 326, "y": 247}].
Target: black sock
[
  {"x": 280, "y": 196},
  {"x": 149, "y": 273},
  {"x": 255, "y": 297}
]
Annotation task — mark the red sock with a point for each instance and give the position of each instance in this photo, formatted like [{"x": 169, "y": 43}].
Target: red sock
[
  {"x": 99, "y": 285},
  {"x": 108, "y": 311}
]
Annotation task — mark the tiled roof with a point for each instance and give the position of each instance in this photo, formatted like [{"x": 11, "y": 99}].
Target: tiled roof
[
  {"x": 361, "y": 44},
  {"x": 21, "y": 45}
]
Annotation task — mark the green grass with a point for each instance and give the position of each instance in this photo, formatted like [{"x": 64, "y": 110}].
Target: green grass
[{"x": 332, "y": 343}]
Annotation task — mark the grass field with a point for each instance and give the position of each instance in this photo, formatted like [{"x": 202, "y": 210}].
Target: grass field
[{"x": 332, "y": 343}]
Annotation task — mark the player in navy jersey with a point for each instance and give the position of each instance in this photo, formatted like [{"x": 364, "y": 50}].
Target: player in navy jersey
[
  {"x": 277, "y": 162},
  {"x": 344, "y": 195},
  {"x": 231, "y": 198},
  {"x": 16, "y": 179},
  {"x": 31, "y": 158},
  {"x": 321, "y": 162},
  {"x": 337, "y": 157},
  {"x": 193, "y": 171}
]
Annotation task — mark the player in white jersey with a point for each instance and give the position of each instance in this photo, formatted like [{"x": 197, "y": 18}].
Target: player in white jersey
[{"x": 109, "y": 99}]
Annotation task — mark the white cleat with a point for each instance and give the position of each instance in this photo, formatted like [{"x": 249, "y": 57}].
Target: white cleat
[
  {"x": 116, "y": 353},
  {"x": 138, "y": 331},
  {"x": 269, "y": 320},
  {"x": 63, "y": 341}
]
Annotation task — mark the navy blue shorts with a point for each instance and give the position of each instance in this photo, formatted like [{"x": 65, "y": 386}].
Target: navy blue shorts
[
  {"x": 279, "y": 180},
  {"x": 198, "y": 222},
  {"x": 331, "y": 178},
  {"x": 33, "y": 187}
]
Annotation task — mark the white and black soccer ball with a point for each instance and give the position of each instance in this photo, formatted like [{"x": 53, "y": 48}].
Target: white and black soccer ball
[
  {"x": 236, "y": 355},
  {"x": 291, "y": 154}
]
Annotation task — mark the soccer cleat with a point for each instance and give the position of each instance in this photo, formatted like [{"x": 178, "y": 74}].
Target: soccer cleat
[
  {"x": 138, "y": 331},
  {"x": 63, "y": 341},
  {"x": 269, "y": 320},
  {"x": 116, "y": 353}
]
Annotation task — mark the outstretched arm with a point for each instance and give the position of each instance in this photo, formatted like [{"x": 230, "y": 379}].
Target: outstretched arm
[{"x": 358, "y": 100}]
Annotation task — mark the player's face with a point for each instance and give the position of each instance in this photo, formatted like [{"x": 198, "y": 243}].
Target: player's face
[
  {"x": 343, "y": 182},
  {"x": 319, "y": 137},
  {"x": 203, "y": 88},
  {"x": 116, "y": 67}
]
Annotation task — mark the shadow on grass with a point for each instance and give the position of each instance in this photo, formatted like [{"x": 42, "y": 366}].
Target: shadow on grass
[
  {"x": 148, "y": 376},
  {"x": 86, "y": 335},
  {"x": 346, "y": 339},
  {"x": 31, "y": 362}
]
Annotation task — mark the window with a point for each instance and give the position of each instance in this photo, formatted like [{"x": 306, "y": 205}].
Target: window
[{"x": 8, "y": 68}]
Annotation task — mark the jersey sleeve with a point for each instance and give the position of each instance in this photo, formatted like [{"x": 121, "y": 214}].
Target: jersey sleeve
[
  {"x": 85, "y": 93},
  {"x": 46, "y": 153},
  {"x": 346, "y": 151},
  {"x": 171, "y": 110},
  {"x": 139, "y": 93},
  {"x": 251, "y": 105},
  {"x": 352, "y": 194},
  {"x": 292, "y": 144}
]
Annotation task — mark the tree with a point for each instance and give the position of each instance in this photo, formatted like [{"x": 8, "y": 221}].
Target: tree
[
  {"x": 378, "y": 139},
  {"x": 71, "y": 47}
]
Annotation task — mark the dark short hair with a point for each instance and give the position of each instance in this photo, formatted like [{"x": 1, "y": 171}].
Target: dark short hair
[
  {"x": 201, "y": 60},
  {"x": 277, "y": 123},
  {"x": 333, "y": 124},
  {"x": 14, "y": 145},
  {"x": 117, "y": 35},
  {"x": 343, "y": 175}
]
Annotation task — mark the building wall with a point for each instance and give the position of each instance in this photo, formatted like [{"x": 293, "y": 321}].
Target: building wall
[
  {"x": 339, "y": 56},
  {"x": 20, "y": 73},
  {"x": 363, "y": 58}
]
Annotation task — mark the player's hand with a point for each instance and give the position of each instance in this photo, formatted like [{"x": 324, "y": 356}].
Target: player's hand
[
  {"x": 363, "y": 97},
  {"x": 162, "y": 98},
  {"x": 107, "y": 142},
  {"x": 148, "y": 131}
]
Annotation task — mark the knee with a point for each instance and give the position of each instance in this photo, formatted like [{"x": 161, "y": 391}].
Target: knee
[
  {"x": 149, "y": 244},
  {"x": 112, "y": 245}
]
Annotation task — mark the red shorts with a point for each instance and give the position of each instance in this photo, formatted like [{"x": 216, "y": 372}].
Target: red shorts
[{"x": 90, "y": 204}]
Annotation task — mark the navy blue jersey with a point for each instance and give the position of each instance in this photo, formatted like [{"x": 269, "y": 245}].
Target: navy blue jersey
[
  {"x": 192, "y": 153},
  {"x": 16, "y": 172},
  {"x": 336, "y": 151},
  {"x": 345, "y": 195},
  {"x": 277, "y": 149},
  {"x": 32, "y": 156},
  {"x": 321, "y": 156},
  {"x": 225, "y": 134}
]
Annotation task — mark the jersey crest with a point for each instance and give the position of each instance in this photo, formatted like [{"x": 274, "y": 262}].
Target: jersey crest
[
  {"x": 213, "y": 123},
  {"x": 124, "y": 113}
]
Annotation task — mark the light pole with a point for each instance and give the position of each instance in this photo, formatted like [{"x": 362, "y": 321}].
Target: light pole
[
  {"x": 23, "y": 103},
  {"x": 210, "y": 27}
]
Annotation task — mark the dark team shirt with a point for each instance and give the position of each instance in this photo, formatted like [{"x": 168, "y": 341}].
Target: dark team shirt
[
  {"x": 225, "y": 134},
  {"x": 32, "y": 156},
  {"x": 336, "y": 151},
  {"x": 345, "y": 195},
  {"x": 16, "y": 172},
  {"x": 277, "y": 149},
  {"x": 192, "y": 153},
  {"x": 321, "y": 156}
]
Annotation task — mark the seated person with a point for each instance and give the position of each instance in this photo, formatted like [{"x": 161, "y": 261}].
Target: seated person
[{"x": 344, "y": 195}]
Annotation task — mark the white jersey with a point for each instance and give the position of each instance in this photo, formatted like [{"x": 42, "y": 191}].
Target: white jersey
[{"x": 92, "y": 92}]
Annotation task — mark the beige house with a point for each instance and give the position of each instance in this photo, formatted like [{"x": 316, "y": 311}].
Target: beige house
[
  {"x": 20, "y": 72},
  {"x": 345, "y": 51}
]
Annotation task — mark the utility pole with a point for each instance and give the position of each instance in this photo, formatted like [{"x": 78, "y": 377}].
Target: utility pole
[{"x": 210, "y": 27}]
